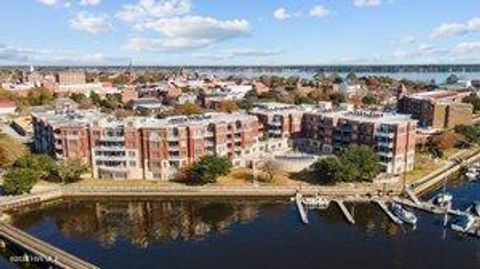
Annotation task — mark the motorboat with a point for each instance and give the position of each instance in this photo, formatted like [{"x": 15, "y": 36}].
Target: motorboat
[
  {"x": 403, "y": 214},
  {"x": 443, "y": 200},
  {"x": 316, "y": 202},
  {"x": 462, "y": 223},
  {"x": 472, "y": 173},
  {"x": 474, "y": 208}
]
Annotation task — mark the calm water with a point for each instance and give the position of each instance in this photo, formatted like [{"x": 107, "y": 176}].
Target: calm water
[{"x": 247, "y": 234}]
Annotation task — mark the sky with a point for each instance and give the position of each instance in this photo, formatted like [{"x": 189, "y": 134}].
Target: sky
[{"x": 239, "y": 32}]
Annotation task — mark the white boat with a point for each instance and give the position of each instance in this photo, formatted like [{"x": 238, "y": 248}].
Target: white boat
[
  {"x": 462, "y": 223},
  {"x": 404, "y": 215},
  {"x": 316, "y": 202},
  {"x": 474, "y": 208},
  {"x": 473, "y": 171},
  {"x": 471, "y": 175},
  {"x": 443, "y": 200}
]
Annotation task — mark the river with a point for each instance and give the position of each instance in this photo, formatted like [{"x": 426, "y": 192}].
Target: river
[{"x": 246, "y": 233}]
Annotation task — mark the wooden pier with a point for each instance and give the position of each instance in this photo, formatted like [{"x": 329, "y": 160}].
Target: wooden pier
[
  {"x": 301, "y": 209},
  {"x": 345, "y": 211},
  {"x": 47, "y": 252},
  {"x": 384, "y": 207}
]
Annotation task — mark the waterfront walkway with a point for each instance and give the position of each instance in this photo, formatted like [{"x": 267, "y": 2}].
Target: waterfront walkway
[{"x": 44, "y": 251}]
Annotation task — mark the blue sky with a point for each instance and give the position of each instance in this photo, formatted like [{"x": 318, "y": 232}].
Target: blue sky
[{"x": 212, "y": 32}]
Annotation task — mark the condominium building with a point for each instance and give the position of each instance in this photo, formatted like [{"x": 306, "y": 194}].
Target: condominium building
[
  {"x": 70, "y": 77},
  {"x": 437, "y": 109},
  {"x": 281, "y": 123},
  {"x": 148, "y": 148},
  {"x": 391, "y": 136}
]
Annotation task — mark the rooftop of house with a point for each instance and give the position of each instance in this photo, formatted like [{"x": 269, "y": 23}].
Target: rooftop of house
[
  {"x": 440, "y": 95},
  {"x": 369, "y": 116}
]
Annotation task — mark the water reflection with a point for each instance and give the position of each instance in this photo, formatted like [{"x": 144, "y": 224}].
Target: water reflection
[{"x": 142, "y": 223}]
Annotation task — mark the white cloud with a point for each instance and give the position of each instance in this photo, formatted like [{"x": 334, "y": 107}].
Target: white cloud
[
  {"x": 406, "y": 40},
  {"x": 453, "y": 29},
  {"x": 281, "y": 14},
  {"x": 252, "y": 52},
  {"x": 367, "y": 3},
  {"x": 319, "y": 11},
  {"x": 197, "y": 27},
  {"x": 422, "y": 50},
  {"x": 189, "y": 32},
  {"x": 165, "y": 45},
  {"x": 146, "y": 11},
  {"x": 89, "y": 23},
  {"x": 466, "y": 48},
  {"x": 89, "y": 2},
  {"x": 48, "y": 2}
]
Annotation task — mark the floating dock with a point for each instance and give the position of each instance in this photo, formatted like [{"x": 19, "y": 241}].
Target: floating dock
[
  {"x": 301, "y": 209},
  {"x": 345, "y": 211},
  {"x": 412, "y": 195},
  {"x": 383, "y": 206}
]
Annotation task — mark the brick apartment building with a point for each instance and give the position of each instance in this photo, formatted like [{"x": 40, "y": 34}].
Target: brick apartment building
[
  {"x": 149, "y": 148},
  {"x": 145, "y": 148},
  {"x": 281, "y": 122},
  {"x": 437, "y": 109},
  {"x": 391, "y": 136}
]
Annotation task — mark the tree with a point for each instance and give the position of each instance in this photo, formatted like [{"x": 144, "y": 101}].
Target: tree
[
  {"x": 227, "y": 106},
  {"x": 337, "y": 98},
  {"x": 10, "y": 150},
  {"x": 188, "y": 109},
  {"x": 369, "y": 100},
  {"x": 328, "y": 170},
  {"x": 452, "y": 79},
  {"x": 70, "y": 170},
  {"x": 474, "y": 100},
  {"x": 300, "y": 99},
  {"x": 208, "y": 169},
  {"x": 319, "y": 77},
  {"x": 446, "y": 141},
  {"x": 19, "y": 180},
  {"x": 351, "y": 77},
  {"x": 363, "y": 161},
  {"x": 470, "y": 133}
]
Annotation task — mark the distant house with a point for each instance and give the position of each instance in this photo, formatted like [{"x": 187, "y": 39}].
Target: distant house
[
  {"x": 7, "y": 107},
  {"x": 152, "y": 105}
]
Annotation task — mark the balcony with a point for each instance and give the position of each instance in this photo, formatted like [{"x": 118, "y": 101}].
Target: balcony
[
  {"x": 172, "y": 137},
  {"x": 386, "y": 144},
  {"x": 111, "y": 157},
  {"x": 385, "y": 154},
  {"x": 113, "y": 138},
  {"x": 277, "y": 132},
  {"x": 109, "y": 148},
  {"x": 276, "y": 123},
  {"x": 388, "y": 135}
]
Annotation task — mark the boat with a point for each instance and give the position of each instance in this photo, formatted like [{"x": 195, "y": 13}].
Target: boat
[
  {"x": 443, "y": 200},
  {"x": 474, "y": 208},
  {"x": 462, "y": 223},
  {"x": 316, "y": 202},
  {"x": 472, "y": 173},
  {"x": 404, "y": 215}
]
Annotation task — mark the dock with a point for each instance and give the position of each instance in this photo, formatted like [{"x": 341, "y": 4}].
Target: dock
[
  {"x": 301, "y": 209},
  {"x": 345, "y": 211},
  {"x": 384, "y": 207},
  {"x": 47, "y": 252},
  {"x": 412, "y": 195}
]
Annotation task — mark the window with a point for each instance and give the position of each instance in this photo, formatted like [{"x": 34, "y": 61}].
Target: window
[
  {"x": 131, "y": 153},
  {"x": 132, "y": 163}
]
